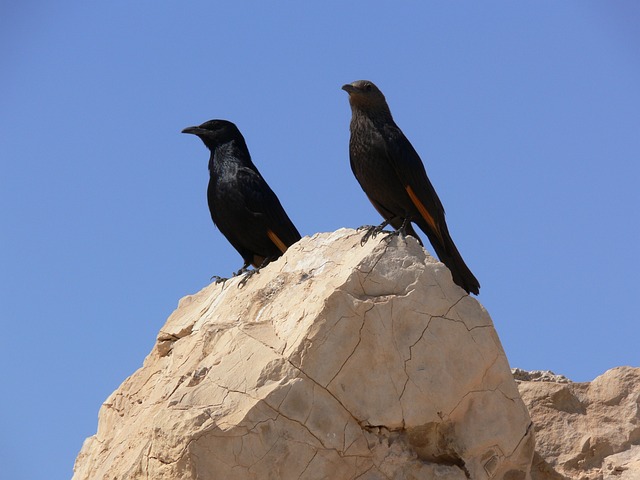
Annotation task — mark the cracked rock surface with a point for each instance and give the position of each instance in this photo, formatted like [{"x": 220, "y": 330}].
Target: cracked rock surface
[
  {"x": 337, "y": 361},
  {"x": 586, "y": 431}
]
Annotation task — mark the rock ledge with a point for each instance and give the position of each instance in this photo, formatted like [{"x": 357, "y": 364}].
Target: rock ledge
[{"x": 586, "y": 431}]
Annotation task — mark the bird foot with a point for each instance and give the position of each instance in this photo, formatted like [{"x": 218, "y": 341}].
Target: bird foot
[
  {"x": 396, "y": 233},
  {"x": 245, "y": 268},
  {"x": 219, "y": 279},
  {"x": 400, "y": 232},
  {"x": 250, "y": 273},
  {"x": 247, "y": 275},
  {"x": 372, "y": 232}
]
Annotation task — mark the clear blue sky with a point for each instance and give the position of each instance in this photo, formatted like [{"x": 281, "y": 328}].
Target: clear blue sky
[{"x": 526, "y": 114}]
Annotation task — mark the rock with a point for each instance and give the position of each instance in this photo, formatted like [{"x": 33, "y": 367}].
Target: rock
[
  {"x": 337, "y": 361},
  {"x": 538, "y": 376},
  {"x": 587, "y": 431}
]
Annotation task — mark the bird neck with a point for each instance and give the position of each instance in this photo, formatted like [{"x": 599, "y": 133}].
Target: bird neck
[
  {"x": 234, "y": 151},
  {"x": 378, "y": 114}
]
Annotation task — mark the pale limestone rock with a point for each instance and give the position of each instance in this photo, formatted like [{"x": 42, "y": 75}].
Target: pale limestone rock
[
  {"x": 587, "y": 431},
  {"x": 337, "y": 361},
  {"x": 538, "y": 376}
]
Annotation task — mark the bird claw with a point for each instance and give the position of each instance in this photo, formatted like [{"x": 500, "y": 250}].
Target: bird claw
[
  {"x": 218, "y": 279},
  {"x": 396, "y": 233},
  {"x": 372, "y": 232},
  {"x": 244, "y": 269},
  {"x": 247, "y": 275},
  {"x": 400, "y": 232},
  {"x": 369, "y": 234}
]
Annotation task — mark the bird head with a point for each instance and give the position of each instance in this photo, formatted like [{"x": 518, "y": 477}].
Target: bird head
[
  {"x": 215, "y": 132},
  {"x": 364, "y": 94}
]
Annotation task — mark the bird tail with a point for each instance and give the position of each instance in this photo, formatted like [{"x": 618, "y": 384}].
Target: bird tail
[{"x": 449, "y": 255}]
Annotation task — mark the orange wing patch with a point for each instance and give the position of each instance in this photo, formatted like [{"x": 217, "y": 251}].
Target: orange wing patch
[
  {"x": 425, "y": 214},
  {"x": 278, "y": 243}
]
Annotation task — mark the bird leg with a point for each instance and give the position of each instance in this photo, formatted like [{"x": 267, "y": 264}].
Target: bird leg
[
  {"x": 373, "y": 230},
  {"x": 243, "y": 269},
  {"x": 402, "y": 231},
  {"x": 250, "y": 273}
]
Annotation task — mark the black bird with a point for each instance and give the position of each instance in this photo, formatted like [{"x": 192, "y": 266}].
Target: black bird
[
  {"x": 392, "y": 175},
  {"x": 242, "y": 205}
]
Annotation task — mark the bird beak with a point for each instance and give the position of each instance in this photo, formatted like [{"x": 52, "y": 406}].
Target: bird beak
[
  {"x": 193, "y": 130},
  {"x": 349, "y": 88}
]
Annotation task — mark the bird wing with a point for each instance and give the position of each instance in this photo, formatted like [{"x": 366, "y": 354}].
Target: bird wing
[
  {"x": 263, "y": 202},
  {"x": 411, "y": 172}
]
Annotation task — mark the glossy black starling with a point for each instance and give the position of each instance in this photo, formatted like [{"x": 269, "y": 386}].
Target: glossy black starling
[{"x": 242, "y": 205}]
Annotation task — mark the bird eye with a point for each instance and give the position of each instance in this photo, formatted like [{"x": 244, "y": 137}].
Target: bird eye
[{"x": 367, "y": 87}]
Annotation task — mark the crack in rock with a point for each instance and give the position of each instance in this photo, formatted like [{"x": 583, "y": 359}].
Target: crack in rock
[{"x": 355, "y": 348}]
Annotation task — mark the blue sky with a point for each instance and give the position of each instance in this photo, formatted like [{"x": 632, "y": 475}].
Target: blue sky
[{"x": 526, "y": 114}]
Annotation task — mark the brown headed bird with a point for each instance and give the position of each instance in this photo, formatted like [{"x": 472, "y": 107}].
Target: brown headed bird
[{"x": 394, "y": 179}]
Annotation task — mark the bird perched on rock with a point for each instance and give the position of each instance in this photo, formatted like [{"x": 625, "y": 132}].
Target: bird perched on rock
[
  {"x": 393, "y": 176},
  {"x": 242, "y": 205}
]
